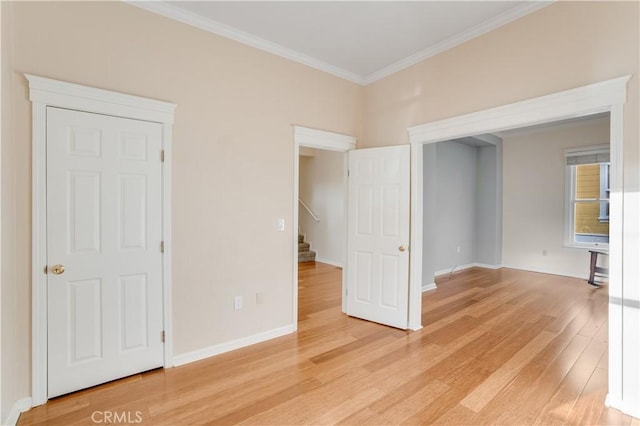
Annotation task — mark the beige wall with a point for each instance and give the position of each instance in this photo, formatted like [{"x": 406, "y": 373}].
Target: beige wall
[
  {"x": 232, "y": 154},
  {"x": 564, "y": 45},
  {"x": 533, "y": 215},
  {"x": 9, "y": 353}
]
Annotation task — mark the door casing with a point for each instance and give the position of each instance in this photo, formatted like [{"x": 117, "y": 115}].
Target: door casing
[{"x": 45, "y": 92}]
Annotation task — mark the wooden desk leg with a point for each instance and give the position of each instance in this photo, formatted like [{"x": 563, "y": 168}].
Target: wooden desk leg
[{"x": 592, "y": 268}]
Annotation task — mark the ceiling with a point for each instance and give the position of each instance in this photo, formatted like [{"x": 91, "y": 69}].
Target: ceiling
[{"x": 361, "y": 41}]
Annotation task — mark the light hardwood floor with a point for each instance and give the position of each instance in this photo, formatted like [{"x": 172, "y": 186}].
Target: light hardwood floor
[{"x": 498, "y": 347}]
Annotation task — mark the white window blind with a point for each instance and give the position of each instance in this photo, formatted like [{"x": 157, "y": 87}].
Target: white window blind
[{"x": 591, "y": 155}]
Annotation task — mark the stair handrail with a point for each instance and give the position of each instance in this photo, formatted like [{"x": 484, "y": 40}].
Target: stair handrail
[{"x": 306, "y": 207}]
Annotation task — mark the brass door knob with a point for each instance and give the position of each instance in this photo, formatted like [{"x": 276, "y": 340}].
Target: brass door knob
[
  {"x": 58, "y": 269},
  {"x": 402, "y": 248}
]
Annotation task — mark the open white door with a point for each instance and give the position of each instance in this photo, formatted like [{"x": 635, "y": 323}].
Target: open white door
[{"x": 378, "y": 235}]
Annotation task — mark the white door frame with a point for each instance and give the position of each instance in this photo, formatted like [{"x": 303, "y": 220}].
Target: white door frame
[
  {"x": 319, "y": 139},
  {"x": 606, "y": 96},
  {"x": 43, "y": 93}
]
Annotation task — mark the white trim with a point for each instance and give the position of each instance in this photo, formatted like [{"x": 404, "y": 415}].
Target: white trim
[
  {"x": 415, "y": 246},
  {"x": 572, "y": 103},
  {"x": 74, "y": 96},
  {"x": 329, "y": 262},
  {"x": 453, "y": 269},
  {"x": 606, "y": 96},
  {"x": 451, "y": 42},
  {"x": 429, "y": 287},
  {"x": 45, "y": 92},
  {"x": 221, "y": 348},
  {"x": 489, "y": 138},
  {"x": 487, "y": 266},
  {"x": 295, "y": 232},
  {"x": 616, "y": 245},
  {"x": 209, "y": 25},
  {"x": 21, "y": 406},
  {"x": 190, "y": 18},
  {"x": 627, "y": 408},
  {"x": 39, "y": 257},
  {"x": 167, "y": 259},
  {"x": 461, "y": 268},
  {"x": 545, "y": 271},
  {"x": 319, "y": 139}
]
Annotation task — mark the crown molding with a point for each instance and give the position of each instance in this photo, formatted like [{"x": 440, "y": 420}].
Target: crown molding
[
  {"x": 195, "y": 20},
  {"x": 186, "y": 17},
  {"x": 473, "y": 32}
]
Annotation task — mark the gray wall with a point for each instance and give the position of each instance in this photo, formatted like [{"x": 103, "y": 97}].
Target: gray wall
[
  {"x": 462, "y": 206},
  {"x": 430, "y": 212},
  {"x": 488, "y": 248},
  {"x": 455, "y": 233}
]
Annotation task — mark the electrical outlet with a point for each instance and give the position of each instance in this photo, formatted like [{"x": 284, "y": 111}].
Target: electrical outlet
[
  {"x": 259, "y": 298},
  {"x": 237, "y": 303},
  {"x": 280, "y": 225},
  {"x": 458, "y": 249}
]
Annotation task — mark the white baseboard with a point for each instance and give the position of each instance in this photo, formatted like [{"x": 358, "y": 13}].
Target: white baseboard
[
  {"x": 230, "y": 346},
  {"x": 487, "y": 266},
  {"x": 463, "y": 267},
  {"x": 629, "y": 409},
  {"x": 429, "y": 287},
  {"x": 542, "y": 271},
  {"x": 415, "y": 328},
  {"x": 19, "y": 407},
  {"x": 329, "y": 262},
  {"x": 448, "y": 270}
]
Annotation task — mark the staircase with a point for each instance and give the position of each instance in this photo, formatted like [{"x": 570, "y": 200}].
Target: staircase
[{"x": 304, "y": 254}]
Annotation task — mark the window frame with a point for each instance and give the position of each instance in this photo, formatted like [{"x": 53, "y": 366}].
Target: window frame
[
  {"x": 570, "y": 200},
  {"x": 605, "y": 191}
]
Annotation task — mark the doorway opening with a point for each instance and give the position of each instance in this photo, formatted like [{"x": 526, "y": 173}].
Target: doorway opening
[
  {"x": 555, "y": 211},
  {"x": 320, "y": 189},
  {"x": 462, "y": 206},
  {"x": 321, "y": 229},
  {"x": 603, "y": 97}
]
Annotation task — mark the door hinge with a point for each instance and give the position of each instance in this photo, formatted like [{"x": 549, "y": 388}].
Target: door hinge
[
  {"x": 162, "y": 336},
  {"x": 162, "y": 156},
  {"x": 161, "y": 246}
]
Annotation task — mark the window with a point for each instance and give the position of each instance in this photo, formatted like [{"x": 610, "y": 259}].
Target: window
[{"x": 588, "y": 191}]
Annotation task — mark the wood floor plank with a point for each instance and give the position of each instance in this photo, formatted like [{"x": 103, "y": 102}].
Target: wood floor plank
[
  {"x": 481, "y": 395},
  {"x": 498, "y": 347},
  {"x": 586, "y": 410},
  {"x": 557, "y": 410},
  {"x": 537, "y": 382}
]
